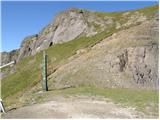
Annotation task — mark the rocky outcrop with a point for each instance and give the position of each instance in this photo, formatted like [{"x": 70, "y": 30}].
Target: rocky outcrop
[
  {"x": 27, "y": 46},
  {"x": 7, "y": 57},
  {"x": 66, "y": 26},
  {"x": 143, "y": 62}
]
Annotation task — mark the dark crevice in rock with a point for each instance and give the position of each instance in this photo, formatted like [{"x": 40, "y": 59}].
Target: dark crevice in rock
[
  {"x": 51, "y": 43},
  {"x": 55, "y": 28},
  {"x": 81, "y": 11},
  {"x": 123, "y": 59},
  {"x": 138, "y": 77},
  {"x": 144, "y": 53},
  {"x": 29, "y": 49}
]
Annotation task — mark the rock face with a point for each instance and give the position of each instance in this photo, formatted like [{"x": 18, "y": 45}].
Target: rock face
[
  {"x": 7, "y": 57},
  {"x": 66, "y": 26},
  {"x": 127, "y": 59},
  {"x": 143, "y": 62},
  {"x": 27, "y": 46}
]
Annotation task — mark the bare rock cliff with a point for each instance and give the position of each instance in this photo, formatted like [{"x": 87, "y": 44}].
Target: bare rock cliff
[{"x": 66, "y": 26}]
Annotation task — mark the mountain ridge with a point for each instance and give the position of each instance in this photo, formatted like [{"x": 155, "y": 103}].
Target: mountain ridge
[{"x": 90, "y": 23}]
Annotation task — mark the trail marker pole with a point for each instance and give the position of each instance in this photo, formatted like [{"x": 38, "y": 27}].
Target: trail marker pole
[{"x": 44, "y": 72}]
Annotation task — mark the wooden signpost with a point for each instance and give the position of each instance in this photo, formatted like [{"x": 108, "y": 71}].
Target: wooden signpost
[{"x": 44, "y": 72}]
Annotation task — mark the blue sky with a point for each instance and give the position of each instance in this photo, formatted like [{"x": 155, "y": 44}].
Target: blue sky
[{"x": 20, "y": 19}]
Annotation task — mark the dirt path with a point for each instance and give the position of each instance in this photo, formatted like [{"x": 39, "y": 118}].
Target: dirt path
[{"x": 79, "y": 107}]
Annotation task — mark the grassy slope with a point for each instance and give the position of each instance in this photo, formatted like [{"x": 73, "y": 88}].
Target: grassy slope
[{"x": 28, "y": 70}]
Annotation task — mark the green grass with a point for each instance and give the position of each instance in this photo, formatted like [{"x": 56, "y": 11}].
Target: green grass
[
  {"x": 117, "y": 16},
  {"x": 149, "y": 11}
]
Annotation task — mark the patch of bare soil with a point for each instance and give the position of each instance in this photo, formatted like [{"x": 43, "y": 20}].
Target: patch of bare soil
[{"x": 74, "y": 107}]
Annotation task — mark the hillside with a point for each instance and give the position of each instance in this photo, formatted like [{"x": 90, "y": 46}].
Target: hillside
[
  {"x": 75, "y": 23},
  {"x": 107, "y": 50},
  {"x": 126, "y": 59}
]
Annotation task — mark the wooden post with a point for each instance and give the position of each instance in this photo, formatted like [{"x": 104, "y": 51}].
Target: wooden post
[{"x": 44, "y": 72}]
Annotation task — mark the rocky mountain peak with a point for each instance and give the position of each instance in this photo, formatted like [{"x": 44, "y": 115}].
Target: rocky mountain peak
[
  {"x": 66, "y": 26},
  {"x": 74, "y": 10}
]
